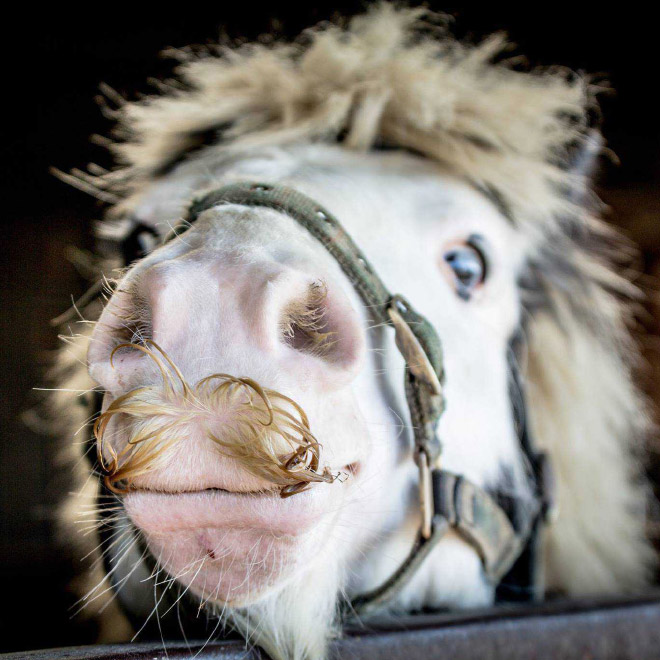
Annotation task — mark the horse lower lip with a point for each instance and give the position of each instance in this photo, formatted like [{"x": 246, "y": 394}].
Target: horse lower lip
[{"x": 163, "y": 513}]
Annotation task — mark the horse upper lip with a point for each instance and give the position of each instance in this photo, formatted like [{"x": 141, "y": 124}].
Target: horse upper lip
[{"x": 186, "y": 491}]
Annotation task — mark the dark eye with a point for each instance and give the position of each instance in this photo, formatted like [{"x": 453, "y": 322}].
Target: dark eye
[{"x": 469, "y": 267}]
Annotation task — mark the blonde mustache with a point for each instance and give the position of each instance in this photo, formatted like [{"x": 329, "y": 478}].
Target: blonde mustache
[{"x": 269, "y": 434}]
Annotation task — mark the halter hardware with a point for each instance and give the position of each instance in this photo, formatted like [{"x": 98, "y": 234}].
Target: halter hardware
[
  {"x": 426, "y": 503},
  {"x": 447, "y": 501},
  {"x": 418, "y": 363},
  {"x": 412, "y": 351}
]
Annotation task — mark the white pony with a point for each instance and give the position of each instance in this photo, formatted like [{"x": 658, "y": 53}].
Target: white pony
[{"x": 458, "y": 178}]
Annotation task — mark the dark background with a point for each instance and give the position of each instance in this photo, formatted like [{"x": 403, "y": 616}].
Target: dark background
[{"x": 53, "y": 61}]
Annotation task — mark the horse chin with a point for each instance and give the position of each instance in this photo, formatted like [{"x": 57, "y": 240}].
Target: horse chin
[{"x": 231, "y": 548}]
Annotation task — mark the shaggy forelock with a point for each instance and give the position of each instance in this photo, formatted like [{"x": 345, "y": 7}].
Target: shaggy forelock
[{"x": 393, "y": 77}]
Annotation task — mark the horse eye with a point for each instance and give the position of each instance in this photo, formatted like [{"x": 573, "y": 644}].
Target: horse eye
[{"x": 468, "y": 264}]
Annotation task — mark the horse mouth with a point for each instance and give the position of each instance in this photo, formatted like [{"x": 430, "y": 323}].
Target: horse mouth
[
  {"x": 350, "y": 470},
  {"x": 159, "y": 511},
  {"x": 264, "y": 492}
]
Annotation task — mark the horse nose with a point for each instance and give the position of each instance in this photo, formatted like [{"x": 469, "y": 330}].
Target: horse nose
[{"x": 253, "y": 323}]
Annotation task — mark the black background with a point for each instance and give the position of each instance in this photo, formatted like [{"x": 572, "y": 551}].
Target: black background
[{"x": 53, "y": 62}]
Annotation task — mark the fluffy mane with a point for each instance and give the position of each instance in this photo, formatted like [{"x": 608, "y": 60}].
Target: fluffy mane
[{"x": 391, "y": 77}]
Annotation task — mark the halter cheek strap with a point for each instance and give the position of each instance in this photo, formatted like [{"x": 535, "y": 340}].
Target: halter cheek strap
[{"x": 447, "y": 501}]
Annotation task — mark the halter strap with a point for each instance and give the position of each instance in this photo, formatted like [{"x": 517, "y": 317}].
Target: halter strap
[{"x": 472, "y": 513}]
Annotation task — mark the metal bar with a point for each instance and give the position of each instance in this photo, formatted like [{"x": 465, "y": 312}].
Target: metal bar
[{"x": 604, "y": 629}]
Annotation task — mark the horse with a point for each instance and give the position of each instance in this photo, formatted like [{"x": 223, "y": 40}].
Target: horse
[{"x": 362, "y": 310}]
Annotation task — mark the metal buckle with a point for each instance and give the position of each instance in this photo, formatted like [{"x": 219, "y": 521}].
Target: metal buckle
[
  {"x": 425, "y": 494},
  {"x": 413, "y": 353}
]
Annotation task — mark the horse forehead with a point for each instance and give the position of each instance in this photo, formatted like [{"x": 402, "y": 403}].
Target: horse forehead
[
  {"x": 353, "y": 185},
  {"x": 388, "y": 202},
  {"x": 393, "y": 201}
]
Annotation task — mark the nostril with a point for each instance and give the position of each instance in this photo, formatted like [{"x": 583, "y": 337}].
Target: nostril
[
  {"x": 127, "y": 319},
  {"x": 321, "y": 323},
  {"x": 304, "y": 324}
]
